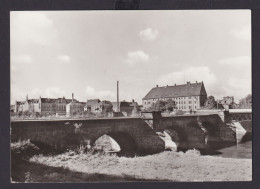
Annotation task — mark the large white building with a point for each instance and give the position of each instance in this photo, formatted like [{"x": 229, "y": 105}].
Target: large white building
[{"x": 190, "y": 96}]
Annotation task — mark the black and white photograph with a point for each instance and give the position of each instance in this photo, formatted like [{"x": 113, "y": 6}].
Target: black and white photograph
[{"x": 130, "y": 95}]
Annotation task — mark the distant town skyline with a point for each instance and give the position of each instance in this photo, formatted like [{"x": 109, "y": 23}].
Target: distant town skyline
[{"x": 57, "y": 53}]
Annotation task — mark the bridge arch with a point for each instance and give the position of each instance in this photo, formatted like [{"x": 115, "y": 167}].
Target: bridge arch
[
  {"x": 178, "y": 135},
  {"x": 127, "y": 144}
]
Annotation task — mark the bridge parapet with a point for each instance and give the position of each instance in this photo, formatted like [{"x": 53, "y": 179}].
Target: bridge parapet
[
  {"x": 152, "y": 118},
  {"x": 238, "y": 115}
]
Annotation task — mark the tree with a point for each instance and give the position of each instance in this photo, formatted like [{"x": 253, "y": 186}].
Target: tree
[
  {"x": 170, "y": 105},
  {"x": 135, "y": 110},
  {"x": 161, "y": 105},
  {"x": 20, "y": 113},
  {"x": 37, "y": 114},
  {"x": 210, "y": 103},
  {"x": 26, "y": 113},
  {"x": 246, "y": 102}
]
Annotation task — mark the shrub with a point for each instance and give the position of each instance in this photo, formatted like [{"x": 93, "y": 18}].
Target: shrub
[
  {"x": 25, "y": 148},
  {"x": 193, "y": 152}
]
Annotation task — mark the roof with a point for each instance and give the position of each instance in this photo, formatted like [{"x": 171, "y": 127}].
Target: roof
[
  {"x": 133, "y": 103},
  {"x": 92, "y": 102},
  {"x": 48, "y": 100},
  {"x": 189, "y": 89},
  {"x": 105, "y": 103},
  {"x": 123, "y": 104}
]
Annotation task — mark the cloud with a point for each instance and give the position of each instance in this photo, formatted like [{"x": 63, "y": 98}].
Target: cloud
[
  {"x": 137, "y": 57},
  {"x": 236, "y": 61},
  {"x": 54, "y": 92},
  {"x": 191, "y": 74},
  {"x": 242, "y": 33},
  {"x": 30, "y": 27},
  {"x": 21, "y": 59},
  {"x": 148, "y": 34},
  {"x": 64, "y": 59},
  {"x": 238, "y": 86},
  {"x": 50, "y": 92},
  {"x": 105, "y": 95}
]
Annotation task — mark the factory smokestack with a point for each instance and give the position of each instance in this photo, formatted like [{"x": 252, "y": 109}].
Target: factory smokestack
[
  {"x": 118, "y": 108},
  {"x": 72, "y": 97}
]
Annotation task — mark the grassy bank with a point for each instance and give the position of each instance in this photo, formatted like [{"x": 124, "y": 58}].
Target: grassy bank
[{"x": 76, "y": 166}]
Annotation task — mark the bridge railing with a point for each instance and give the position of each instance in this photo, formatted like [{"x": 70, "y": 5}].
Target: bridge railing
[{"x": 240, "y": 110}]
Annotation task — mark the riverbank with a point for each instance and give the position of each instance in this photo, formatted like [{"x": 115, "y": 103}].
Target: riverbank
[{"x": 167, "y": 166}]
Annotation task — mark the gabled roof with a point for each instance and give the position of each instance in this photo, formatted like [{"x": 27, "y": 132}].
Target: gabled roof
[{"x": 189, "y": 89}]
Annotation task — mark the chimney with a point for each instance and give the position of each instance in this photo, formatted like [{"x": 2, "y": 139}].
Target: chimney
[
  {"x": 196, "y": 82},
  {"x": 72, "y": 97},
  {"x": 118, "y": 108},
  {"x": 175, "y": 84},
  {"x": 156, "y": 85},
  {"x": 27, "y": 98},
  {"x": 133, "y": 100}
]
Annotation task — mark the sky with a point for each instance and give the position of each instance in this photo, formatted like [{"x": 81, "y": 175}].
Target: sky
[{"x": 57, "y": 53}]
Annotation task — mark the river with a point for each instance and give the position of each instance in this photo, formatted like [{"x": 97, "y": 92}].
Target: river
[{"x": 241, "y": 150}]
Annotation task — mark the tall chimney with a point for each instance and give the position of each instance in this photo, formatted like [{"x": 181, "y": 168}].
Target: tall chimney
[
  {"x": 118, "y": 108},
  {"x": 27, "y": 98},
  {"x": 72, "y": 97}
]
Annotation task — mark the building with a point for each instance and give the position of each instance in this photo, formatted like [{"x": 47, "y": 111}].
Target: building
[
  {"x": 190, "y": 96},
  {"x": 43, "y": 106},
  {"x": 228, "y": 102},
  {"x": 74, "y": 107},
  {"x": 126, "y": 107},
  {"x": 92, "y": 105},
  {"x": 97, "y": 106}
]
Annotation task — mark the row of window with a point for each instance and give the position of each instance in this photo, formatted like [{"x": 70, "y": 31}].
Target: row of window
[
  {"x": 184, "y": 107},
  {"x": 176, "y": 98},
  {"x": 179, "y": 102}
]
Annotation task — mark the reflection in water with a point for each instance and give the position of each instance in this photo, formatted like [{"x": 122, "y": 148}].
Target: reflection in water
[{"x": 241, "y": 150}]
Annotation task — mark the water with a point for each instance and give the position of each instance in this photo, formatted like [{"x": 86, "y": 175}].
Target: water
[{"x": 241, "y": 150}]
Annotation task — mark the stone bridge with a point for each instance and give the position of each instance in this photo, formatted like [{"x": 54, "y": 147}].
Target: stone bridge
[{"x": 139, "y": 135}]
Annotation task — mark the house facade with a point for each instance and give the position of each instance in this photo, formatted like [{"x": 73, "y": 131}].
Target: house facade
[
  {"x": 97, "y": 106},
  {"x": 92, "y": 105},
  {"x": 43, "y": 106},
  {"x": 189, "y": 96},
  {"x": 126, "y": 107}
]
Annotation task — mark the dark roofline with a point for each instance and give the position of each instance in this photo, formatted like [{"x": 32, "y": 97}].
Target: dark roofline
[
  {"x": 178, "y": 85},
  {"x": 163, "y": 87}
]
